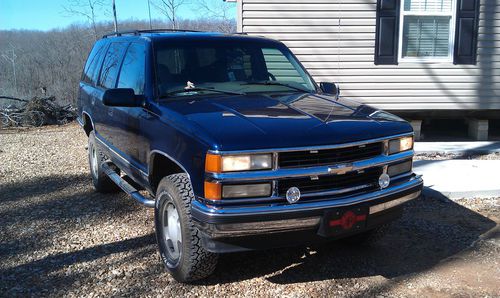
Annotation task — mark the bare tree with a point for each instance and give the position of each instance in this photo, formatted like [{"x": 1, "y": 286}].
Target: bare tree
[
  {"x": 170, "y": 9},
  {"x": 12, "y": 59},
  {"x": 218, "y": 10},
  {"x": 87, "y": 9},
  {"x": 50, "y": 63}
]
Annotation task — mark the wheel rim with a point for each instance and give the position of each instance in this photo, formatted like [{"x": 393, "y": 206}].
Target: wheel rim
[
  {"x": 172, "y": 231},
  {"x": 93, "y": 160}
]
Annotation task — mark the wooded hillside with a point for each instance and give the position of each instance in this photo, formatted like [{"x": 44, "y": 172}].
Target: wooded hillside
[{"x": 49, "y": 63}]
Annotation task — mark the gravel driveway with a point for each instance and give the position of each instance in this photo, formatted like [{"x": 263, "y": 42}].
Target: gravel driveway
[{"x": 58, "y": 237}]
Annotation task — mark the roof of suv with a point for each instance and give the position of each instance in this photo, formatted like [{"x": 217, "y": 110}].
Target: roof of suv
[{"x": 161, "y": 34}]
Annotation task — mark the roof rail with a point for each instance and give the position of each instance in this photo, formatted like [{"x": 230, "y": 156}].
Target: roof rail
[{"x": 137, "y": 32}]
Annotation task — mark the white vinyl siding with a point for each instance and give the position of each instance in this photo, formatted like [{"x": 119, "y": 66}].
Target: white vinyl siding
[{"x": 335, "y": 40}]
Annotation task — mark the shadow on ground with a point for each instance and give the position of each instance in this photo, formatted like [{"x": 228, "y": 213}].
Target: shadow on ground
[
  {"x": 37, "y": 211},
  {"x": 432, "y": 228},
  {"x": 39, "y": 186}
]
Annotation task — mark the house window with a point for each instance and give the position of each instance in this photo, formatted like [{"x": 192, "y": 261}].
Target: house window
[{"x": 427, "y": 30}]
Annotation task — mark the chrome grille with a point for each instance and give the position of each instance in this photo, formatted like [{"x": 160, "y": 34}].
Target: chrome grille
[
  {"x": 368, "y": 177},
  {"x": 311, "y": 158}
]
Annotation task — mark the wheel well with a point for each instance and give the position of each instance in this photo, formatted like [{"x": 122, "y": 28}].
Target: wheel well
[
  {"x": 87, "y": 124},
  {"x": 161, "y": 166}
]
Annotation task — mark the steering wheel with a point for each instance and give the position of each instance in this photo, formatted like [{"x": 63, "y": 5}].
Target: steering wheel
[{"x": 273, "y": 78}]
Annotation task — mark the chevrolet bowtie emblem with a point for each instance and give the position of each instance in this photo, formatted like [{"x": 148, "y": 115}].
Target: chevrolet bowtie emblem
[{"x": 340, "y": 169}]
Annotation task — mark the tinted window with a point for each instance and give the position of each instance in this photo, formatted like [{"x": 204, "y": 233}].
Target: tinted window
[
  {"x": 200, "y": 64},
  {"x": 111, "y": 65},
  {"x": 132, "y": 71},
  {"x": 229, "y": 65},
  {"x": 94, "y": 59},
  {"x": 282, "y": 68}
]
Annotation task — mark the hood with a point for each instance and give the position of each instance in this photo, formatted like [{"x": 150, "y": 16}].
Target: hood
[{"x": 279, "y": 121}]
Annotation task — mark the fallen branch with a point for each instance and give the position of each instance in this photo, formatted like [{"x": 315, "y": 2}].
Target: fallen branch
[
  {"x": 13, "y": 98},
  {"x": 36, "y": 112}
]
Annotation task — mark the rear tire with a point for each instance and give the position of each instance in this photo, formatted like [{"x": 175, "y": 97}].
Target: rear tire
[
  {"x": 102, "y": 183},
  {"x": 179, "y": 241}
]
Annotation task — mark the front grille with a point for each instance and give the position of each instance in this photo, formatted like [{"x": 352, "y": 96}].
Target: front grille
[
  {"x": 310, "y": 158},
  {"x": 331, "y": 182}
]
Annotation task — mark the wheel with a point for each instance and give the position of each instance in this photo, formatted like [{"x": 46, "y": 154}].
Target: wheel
[
  {"x": 368, "y": 238},
  {"x": 102, "y": 183},
  {"x": 179, "y": 241}
]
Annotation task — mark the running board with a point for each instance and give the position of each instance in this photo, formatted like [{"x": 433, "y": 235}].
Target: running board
[{"x": 126, "y": 187}]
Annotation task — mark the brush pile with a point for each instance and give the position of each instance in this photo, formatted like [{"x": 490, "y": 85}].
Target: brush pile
[{"x": 35, "y": 112}]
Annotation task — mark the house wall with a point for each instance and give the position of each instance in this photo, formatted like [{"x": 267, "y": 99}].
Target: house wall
[{"x": 335, "y": 40}]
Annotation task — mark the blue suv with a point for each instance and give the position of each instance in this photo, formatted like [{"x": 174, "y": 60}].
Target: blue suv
[{"x": 236, "y": 147}]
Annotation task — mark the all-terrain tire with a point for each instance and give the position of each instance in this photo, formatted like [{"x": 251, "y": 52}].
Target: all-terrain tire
[
  {"x": 102, "y": 183},
  {"x": 368, "y": 238},
  {"x": 194, "y": 262}
]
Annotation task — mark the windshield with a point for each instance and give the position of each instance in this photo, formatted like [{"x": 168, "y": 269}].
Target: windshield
[{"x": 191, "y": 68}]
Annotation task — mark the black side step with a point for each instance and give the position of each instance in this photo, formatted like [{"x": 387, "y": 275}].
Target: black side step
[{"x": 126, "y": 187}]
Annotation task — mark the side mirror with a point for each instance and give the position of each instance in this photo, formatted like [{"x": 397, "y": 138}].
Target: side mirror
[
  {"x": 120, "y": 97},
  {"x": 330, "y": 88}
]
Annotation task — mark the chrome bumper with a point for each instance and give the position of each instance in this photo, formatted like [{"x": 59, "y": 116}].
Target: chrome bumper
[{"x": 264, "y": 219}]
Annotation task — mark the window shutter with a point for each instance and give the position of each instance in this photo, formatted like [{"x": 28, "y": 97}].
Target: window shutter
[
  {"x": 466, "y": 32},
  {"x": 386, "y": 33}
]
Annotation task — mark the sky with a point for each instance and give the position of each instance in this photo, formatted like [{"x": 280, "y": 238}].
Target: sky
[{"x": 49, "y": 14}]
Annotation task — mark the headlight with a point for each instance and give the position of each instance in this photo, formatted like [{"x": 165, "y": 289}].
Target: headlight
[
  {"x": 233, "y": 163},
  {"x": 399, "y": 168},
  {"x": 400, "y": 145},
  {"x": 246, "y": 190},
  {"x": 217, "y": 191}
]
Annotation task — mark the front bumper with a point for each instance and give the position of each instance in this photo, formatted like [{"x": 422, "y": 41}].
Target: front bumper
[{"x": 228, "y": 222}]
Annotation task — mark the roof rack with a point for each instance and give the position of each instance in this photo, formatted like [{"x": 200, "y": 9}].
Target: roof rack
[{"x": 138, "y": 32}]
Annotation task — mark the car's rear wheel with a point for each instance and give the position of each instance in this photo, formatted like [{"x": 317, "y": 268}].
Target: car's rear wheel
[
  {"x": 179, "y": 241},
  {"x": 101, "y": 181}
]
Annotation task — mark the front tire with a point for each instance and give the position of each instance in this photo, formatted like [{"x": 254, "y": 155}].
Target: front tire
[{"x": 179, "y": 241}]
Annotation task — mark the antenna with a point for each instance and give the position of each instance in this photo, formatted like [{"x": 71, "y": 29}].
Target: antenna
[
  {"x": 114, "y": 15},
  {"x": 149, "y": 10}
]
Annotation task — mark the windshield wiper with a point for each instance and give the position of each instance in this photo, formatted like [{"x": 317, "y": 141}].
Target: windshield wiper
[
  {"x": 195, "y": 89},
  {"x": 276, "y": 84}
]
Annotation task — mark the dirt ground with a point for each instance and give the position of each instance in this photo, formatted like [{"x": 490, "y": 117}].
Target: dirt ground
[{"x": 59, "y": 237}]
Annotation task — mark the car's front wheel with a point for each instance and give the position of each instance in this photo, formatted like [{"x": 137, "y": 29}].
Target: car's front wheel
[{"x": 178, "y": 239}]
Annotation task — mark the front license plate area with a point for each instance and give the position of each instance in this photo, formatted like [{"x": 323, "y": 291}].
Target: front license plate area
[{"x": 343, "y": 221}]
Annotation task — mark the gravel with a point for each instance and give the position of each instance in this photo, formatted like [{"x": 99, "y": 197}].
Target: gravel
[
  {"x": 444, "y": 156},
  {"x": 60, "y": 238}
]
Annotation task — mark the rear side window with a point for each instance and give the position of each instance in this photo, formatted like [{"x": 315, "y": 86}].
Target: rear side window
[
  {"x": 111, "y": 65},
  {"x": 133, "y": 68},
  {"x": 93, "y": 61}
]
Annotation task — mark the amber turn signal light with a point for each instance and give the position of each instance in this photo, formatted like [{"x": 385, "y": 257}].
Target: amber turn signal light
[
  {"x": 213, "y": 191},
  {"x": 213, "y": 163}
]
